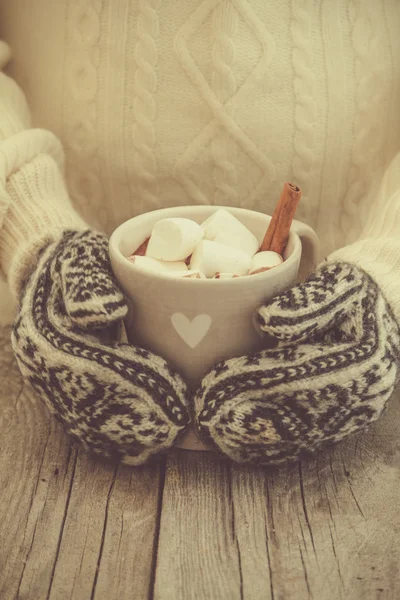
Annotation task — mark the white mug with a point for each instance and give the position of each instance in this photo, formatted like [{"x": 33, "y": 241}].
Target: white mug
[{"x": 196, "y": 323}]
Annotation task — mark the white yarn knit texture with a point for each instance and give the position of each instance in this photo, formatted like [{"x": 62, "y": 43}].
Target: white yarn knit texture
[
  {"x": 205, "y": 103},
  {"x": 171, "y": 103}
]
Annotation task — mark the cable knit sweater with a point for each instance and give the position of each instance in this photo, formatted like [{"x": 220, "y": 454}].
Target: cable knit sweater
[{"x": 170, "y": 103}]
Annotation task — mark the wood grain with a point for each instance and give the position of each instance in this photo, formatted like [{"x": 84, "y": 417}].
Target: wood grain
[
  {"x": 198, "y": 527},
  {"x": 70, "y": 526},
  {"x": 197, "y": 554},
  {"x": 327, "y": 529}
]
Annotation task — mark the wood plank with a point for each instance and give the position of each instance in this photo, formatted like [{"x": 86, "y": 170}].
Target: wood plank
[
  {"x": 73, "y": 527},
  {"x": 70, "y": 526},
  {"x": 197, "y": 554},
  {"x": 34, "y": 463},
  {"x": 110, "y": 529},
  {"x": 329, "y": 528}
]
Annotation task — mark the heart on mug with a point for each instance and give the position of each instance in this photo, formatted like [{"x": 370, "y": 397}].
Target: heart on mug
[{"x": 192, "y": 332}]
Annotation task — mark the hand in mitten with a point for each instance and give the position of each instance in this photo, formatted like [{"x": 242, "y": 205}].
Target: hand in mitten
[
  {"x": 334, "y": 369},
  {"x": 119, "y": 401}
]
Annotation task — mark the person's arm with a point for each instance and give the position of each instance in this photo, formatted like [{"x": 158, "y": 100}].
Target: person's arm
[
  {"x": 337, "y": 359},
  {"x": 119, "y": 401},
  {"x": 378, "y": 250},
  {"x": 15, "y": 115},
  {"x": 34, "y": 202}
]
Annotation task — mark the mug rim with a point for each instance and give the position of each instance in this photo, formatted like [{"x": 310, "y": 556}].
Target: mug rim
[{"x": 117, "y": 236}]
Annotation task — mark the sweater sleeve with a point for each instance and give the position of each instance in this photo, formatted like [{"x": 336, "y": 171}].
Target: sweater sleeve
[
  {"x": 15, "y": 115},
  {"x": 34, "y": 203},
  {"x": 377, "y": 251}
]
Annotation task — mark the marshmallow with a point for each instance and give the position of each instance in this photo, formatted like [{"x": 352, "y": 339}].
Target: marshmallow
[
  {"x": 174, "y": 239},
  {"x": 211, "y": 257},
  {"x": 264, "y": 261},
  {"x": 151, "y": 264},
  {"x": 224, "y": 228}
]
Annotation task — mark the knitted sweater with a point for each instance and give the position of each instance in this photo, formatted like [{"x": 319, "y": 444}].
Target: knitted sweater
[{"x": 171, "y": 103}]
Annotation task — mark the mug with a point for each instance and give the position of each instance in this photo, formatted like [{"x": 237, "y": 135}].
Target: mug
[{"x": 196, "y": 323}]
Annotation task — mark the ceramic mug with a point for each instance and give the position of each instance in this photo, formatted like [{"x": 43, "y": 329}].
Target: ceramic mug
[{"x": 196, "y": 323}]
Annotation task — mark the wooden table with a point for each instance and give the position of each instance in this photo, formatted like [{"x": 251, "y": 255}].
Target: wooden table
[{"x": 191, "y": 525}]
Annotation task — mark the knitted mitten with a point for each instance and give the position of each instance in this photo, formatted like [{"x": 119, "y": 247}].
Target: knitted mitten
[
  {"x": 119, "y": 401},
  {"x": 331, "y": 375},
  {"x": 337, "y": 356}
]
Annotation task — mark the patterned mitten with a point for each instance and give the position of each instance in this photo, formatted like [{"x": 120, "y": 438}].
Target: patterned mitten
[
  {"x": 331, "y": 374},
  {"x": 337, "y": 356},
  {"x": 119, "y": 401}
]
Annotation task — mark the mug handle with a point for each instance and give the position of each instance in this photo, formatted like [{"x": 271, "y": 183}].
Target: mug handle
[{"x": 310, "y": 248}]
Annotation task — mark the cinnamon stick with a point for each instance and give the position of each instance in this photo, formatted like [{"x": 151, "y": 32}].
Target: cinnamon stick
[
  {"x": 277, "y": 234},
  {"x": 141, "y": 251},
  {"x": 269, "y": 234}
]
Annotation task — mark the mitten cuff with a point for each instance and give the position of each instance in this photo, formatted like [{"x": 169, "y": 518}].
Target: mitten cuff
[
  {"x": 380, "y": 258},
  {"x": 36, "y": 210},
  {"x": 378, "y": 253},
  {"x": 378, "y": 250}
]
